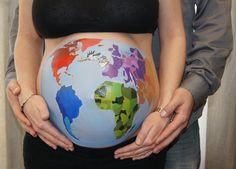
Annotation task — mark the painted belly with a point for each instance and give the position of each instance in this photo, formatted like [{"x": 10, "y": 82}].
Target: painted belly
[{"x": 98, "y": 91}]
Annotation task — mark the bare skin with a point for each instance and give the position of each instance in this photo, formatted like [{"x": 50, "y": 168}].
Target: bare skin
[
  {"x": 12, "y": 91},
  {"x": 28, "y": 69},
  {"x": 182, "y": 104}
]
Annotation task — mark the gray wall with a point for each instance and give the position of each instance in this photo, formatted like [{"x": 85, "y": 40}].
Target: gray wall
[
  {"x": 221, "y": 129},
  {"x": 11, "y": 134},
  {"x": 3, "y": 52}
]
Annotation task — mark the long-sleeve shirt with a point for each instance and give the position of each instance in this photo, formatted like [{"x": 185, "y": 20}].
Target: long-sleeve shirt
[{"x": 209, "y": 43}]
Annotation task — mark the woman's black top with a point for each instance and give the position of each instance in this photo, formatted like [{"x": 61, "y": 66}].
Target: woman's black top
[{"x": 57, "y": 18}]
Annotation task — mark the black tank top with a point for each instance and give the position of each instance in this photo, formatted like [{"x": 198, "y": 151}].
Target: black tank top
[{"x": 57, "y": 18}]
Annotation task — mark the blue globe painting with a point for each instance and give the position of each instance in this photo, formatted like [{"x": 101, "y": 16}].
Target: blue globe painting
[{"x": 91, "y": 87}]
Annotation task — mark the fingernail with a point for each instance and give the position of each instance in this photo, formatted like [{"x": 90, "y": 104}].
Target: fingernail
[
  {"x": 138, "y": 141},
  {"x": 71, "y": 148},
  {"x": 163, "y": 113},
  {"x": 15, "y": 91},
  {"x": 28, "y": 124},
  {"x": 54, "y": 147},
  {"x": 33, "y": 134},
  {"x": 156, "y": 151},
  {"x": 157, "y": 141}
]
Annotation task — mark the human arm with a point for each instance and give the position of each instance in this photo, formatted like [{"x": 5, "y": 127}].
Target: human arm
[
  {"x": 28, "y": 54},
  {"x": 12, "y": 87},
  {"x": 10, "y": 68},
  {"x": 212, "y": 44},
  {"x": 27, "y": 51},
  {"x": 172, "y": 62},
  {"x": 172, "y": 49}
]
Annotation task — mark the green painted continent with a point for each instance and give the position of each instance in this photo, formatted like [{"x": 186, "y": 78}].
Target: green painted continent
[{"x": 121, "y": 100}]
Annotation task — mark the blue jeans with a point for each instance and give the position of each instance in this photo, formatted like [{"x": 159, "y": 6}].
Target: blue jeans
[{"x": 184, "y": 153}]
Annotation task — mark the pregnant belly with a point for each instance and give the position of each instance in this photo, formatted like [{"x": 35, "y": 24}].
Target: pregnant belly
[{"x": 98, "y": 91}]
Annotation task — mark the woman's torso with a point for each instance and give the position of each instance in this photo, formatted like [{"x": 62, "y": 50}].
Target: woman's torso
[{"x": 146, "y": 92}]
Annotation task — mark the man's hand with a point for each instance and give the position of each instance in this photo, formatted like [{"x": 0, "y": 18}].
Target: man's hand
[
  {"x": 181, "y": 104},
  {"x": 13, "y": 90}
]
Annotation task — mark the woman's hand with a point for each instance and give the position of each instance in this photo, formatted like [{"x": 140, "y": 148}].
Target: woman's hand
[
  {"x": 13, "y": 90},
  {"x": 36, "y": 111},
  {"x": 145, "y": 140}
]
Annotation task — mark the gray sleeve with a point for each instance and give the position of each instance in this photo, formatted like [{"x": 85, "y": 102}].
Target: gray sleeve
[
  {"x": 212, "y": 43},
  {"x": 10, "y": 69}
]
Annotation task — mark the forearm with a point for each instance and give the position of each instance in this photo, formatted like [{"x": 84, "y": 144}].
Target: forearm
[
  {"x": 10, "y": 74},
  {"x": 212, "y": 44},
  {"x": 27, "y": 61},
  {"x": 172, "y": 49},
  {"x": 10, "y": 69},
  {"x": 172, "y": 61}
]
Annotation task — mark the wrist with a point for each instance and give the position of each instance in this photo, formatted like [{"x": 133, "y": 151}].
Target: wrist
[
  {"x": 22, "y": 105},
  {"x": 187, "y": 94},
  {"x": 163, "y": 121},
  {"x": 197, "y": 86},
  {"x": 23, "y": 98},
  {"x": 26, "y": 92},
  {"x": 164, "y": 99}
]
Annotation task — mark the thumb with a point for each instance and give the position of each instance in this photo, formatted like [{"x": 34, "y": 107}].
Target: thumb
[
  {"x": 142, "y": 134},
  {"x": 169, "y": 109},
  {"x": 14, "y": 87}
]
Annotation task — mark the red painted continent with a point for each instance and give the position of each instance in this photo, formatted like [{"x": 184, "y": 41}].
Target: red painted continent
[{"x": 64, "y": 56}]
